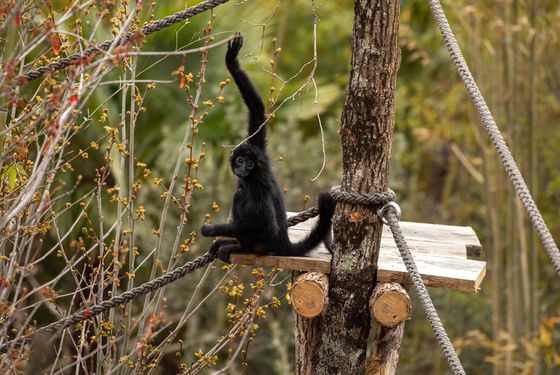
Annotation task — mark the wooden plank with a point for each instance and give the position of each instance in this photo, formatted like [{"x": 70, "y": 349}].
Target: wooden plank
[
  {"x": 440, "y": 253},
  {"x": 459, "y": 274},
  {"x": 314, "y": 261},
  {"x": 435, "y": 239},
  {"x": 441, "y": 249},
  {"x": 438, "y": 272}
]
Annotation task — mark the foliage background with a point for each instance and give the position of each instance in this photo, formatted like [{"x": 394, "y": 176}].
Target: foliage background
[{"x": 443, "y": 170}]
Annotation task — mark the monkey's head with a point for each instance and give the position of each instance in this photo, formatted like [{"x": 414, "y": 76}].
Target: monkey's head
[{"x": 247, "y": 160}]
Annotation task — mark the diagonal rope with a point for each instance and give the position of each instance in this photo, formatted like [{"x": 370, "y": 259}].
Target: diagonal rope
[
  {"x": 141, "y": 290},
  {"x": 146, "y": 30},
  {"x": 90, "y": 312},
  {"x": 499, "y": 143},
  {"x": 373, "y": 199},
  {"x": 427, "y": 305}
]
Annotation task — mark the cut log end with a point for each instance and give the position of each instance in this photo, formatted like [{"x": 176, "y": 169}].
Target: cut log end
[
  {"x": 389, "y": 304},
  {"x": 309, "y": 294}
]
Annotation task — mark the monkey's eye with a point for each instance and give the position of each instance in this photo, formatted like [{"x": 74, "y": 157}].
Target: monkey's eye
[
  {"x": 250, "y": 164},
  {"x": 239, "y": 160}
]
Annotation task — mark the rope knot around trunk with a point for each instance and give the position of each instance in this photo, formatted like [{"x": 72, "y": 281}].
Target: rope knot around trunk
[{"x": 368, "y": 199}]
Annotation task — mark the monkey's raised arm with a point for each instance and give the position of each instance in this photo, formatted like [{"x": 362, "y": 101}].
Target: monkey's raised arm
[{"x": 250, "y": 95}]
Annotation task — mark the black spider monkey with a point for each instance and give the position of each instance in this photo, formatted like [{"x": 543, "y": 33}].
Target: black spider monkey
[{"x": 259, "y": 220}]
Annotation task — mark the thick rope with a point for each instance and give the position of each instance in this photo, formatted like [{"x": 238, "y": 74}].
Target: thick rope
[
  {"x": 141, "y": 290},
  {"x": 492, "y": 129},
  {"x": 90, "y": 312},
  {"x": 146, "y": 30},
  {"x": 423, "y": 296},
  {"x": 303, "y": 216},
  {"x": 367, "y": 199},
  {"x": 371, "y": 199}
]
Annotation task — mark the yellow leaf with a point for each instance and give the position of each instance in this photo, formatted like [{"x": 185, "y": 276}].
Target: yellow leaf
[{"x": 545, "y": 338}]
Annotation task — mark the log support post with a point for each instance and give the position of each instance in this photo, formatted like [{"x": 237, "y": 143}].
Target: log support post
[
  {"x": 309, "y": 294},
  {"x": 390, "y": 307},
  {"x": 389, "y": 304},
  {"x": 309, "y": 297}
]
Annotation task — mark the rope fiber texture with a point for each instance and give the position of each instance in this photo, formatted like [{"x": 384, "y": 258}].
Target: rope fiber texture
[
  {"x": 141, "y": 290},
  {"x": 498, "y": 141},
  {"x": 90, "y": 312},
  {"x": 368, "y": 199},
  {"x": 303, "y": 216},
  {"x": 425, "y": 300},
  {"x": 146, "y": 30}
]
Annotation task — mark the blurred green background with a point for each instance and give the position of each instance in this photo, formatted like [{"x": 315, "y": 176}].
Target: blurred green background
[{"x": 443, "y": 168}]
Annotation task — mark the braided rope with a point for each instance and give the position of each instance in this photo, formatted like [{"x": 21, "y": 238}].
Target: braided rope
[
  {"x": 303, "y": 216},
  {"x": 146, "y": 30},
  {"x": 425, "y": 300},
  {"x": 141, "y": 290},
  {"x": 367, "y": 199},
  {"x": 498, "y": 141},
  {"x": 90, "y": 312}
]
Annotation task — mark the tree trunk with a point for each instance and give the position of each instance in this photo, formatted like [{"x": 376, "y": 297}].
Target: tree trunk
[{"x": 366, "y": 132}]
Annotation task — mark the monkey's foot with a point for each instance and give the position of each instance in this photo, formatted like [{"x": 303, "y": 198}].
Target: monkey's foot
[{"x": 227, "y": 246}]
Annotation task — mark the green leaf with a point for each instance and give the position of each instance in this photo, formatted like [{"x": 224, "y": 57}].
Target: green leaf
[{"x": 10, "y": 175}]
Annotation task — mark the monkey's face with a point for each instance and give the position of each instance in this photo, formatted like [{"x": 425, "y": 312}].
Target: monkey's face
[
  {"x": 243, "y": 161},
  {"x": 243, "y": 166}
]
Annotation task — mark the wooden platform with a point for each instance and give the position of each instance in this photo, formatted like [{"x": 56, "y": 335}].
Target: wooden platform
[{"x": 441, "y": 253}]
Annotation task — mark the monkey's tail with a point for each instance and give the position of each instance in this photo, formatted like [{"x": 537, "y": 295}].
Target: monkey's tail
[{"x": 326, "y": 205}]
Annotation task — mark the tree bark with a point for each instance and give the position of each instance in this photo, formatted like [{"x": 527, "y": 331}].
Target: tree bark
[
  {"x": 366, "y": 132},
  {"x": 307, "y": 334},
  {"x": 384, "y": 356}
]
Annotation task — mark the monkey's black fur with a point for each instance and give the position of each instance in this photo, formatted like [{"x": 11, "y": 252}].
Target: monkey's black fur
[{"x": 258, "y": 215}]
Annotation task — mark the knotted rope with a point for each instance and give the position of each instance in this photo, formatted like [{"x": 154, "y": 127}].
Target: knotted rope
[
  {"x": 367, "y": 199},
  {"x": 146, "y": 30}
]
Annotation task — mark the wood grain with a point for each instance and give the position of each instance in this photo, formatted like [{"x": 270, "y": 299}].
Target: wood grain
[
  {"x": 309, "y": 294},
  {"x": 436, "y": 239},
  {"x": 440, "y": 253},
  {"x": 389, "y": 304}
]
